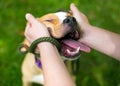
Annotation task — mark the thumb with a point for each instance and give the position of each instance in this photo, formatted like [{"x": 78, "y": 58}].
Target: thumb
[
  {"x": 74, "y": 10},
  {"x": 80, "y": 17},
  {"x": 30, "y": 18},
  {"x": 76, "y": 13}
]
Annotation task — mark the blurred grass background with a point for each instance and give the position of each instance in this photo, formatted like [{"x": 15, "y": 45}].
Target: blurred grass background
[{"x": 96, "y": 69}]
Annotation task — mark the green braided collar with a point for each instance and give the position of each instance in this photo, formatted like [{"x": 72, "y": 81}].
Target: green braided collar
[{"x": 43, "y": 39}]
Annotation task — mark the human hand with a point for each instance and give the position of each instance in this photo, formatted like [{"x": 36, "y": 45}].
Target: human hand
[
  {"x": 81, "y": 19},
  {"x": 34, "y": 29},
  {"x": 97, "y": 38}
]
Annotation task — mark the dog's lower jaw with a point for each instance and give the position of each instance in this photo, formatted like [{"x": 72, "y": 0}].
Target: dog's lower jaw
[{"x": 73, "y": 53}]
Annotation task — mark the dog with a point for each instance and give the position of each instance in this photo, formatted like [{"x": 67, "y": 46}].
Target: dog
[{"x": 63, "y": 27}]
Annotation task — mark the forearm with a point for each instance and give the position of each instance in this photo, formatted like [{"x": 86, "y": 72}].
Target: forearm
[
  {"x": 55, "y": 72},
  {"x": 103, "y": 41}
]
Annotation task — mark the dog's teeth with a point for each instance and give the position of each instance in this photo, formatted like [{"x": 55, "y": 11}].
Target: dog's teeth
[
  {"x": 78, "y": 49},
  {"x": 68, "y": 51},
  {"x": 73, "y": 52}
]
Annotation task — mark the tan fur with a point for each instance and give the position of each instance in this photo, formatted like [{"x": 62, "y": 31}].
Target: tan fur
[
  {"x": 29, "y": 69},
  {"x": 53, "y": 22}
]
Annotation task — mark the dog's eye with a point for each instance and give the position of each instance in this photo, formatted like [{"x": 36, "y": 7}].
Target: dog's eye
[
  {"x": 53, "y": 21},
  {"x": 49, "y": 20}
]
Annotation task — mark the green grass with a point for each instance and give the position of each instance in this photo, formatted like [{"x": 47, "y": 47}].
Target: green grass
[{"x": 96, "y": 69}]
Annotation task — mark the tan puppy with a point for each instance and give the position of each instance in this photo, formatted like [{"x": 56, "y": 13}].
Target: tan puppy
[{"x": 64, "y": 28}]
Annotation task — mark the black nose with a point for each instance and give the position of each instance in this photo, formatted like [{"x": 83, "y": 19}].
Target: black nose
[{"x": 70, "y": 21}]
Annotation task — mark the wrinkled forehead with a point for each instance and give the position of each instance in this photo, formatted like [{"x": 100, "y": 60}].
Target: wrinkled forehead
[{"x": 62, "y": 15}]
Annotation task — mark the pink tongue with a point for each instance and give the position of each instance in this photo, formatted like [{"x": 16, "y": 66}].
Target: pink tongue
[{"x": 75, "y": 44}]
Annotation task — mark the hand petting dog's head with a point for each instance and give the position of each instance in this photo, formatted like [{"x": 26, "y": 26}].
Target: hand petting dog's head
[{"x": 63, "y": 27}]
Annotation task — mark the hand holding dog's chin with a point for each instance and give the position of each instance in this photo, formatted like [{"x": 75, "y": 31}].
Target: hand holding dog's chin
[
  {"x": 30, "y": 31},
  {"x": 82, "y": 21}
]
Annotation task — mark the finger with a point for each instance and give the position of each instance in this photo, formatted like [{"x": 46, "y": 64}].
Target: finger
[
  {"x": 76, "y": 13},
  {"x": 27, "y": 28},
  {"x": 28, "y": 25},
  {"x": 74, "y": 9},
  {"x": 30, "y": 18}
]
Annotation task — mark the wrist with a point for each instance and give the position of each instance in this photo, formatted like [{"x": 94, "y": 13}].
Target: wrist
[
  {"x": 44, "y": 44},
  {"x": 40, "y": 36},
  {"x": 85, "y": 32}
]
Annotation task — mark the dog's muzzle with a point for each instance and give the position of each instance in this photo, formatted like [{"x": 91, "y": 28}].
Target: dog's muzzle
[
  {"x": 71, "y": 28},
  {"x": 71, "y": 21}
]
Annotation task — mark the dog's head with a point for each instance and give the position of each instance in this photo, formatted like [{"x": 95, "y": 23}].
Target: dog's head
[
  {"x": 63, "y": 26},
  {"x": 60, "y": 24}
]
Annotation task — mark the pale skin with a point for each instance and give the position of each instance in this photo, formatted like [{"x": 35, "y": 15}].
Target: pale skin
[{"x": 97, "y": 38}]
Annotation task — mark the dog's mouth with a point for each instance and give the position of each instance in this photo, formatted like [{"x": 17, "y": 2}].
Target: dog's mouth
[{"x": 70, "y": 47}]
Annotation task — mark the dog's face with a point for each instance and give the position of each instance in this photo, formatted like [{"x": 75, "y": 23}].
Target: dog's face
[
  {"x": 59, "y": 24},
  {"x": 63, "y": 26}
]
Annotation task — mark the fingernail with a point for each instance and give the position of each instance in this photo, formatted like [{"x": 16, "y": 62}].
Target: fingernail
[
  {"x": 72, "y": 4},
  {"x": 27, "y": 15}
]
